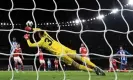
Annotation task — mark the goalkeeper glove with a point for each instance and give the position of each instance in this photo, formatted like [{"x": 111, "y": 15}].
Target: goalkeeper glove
[
  {"x": 27, "y": 28},
  {"x": 26, "y": 36}
]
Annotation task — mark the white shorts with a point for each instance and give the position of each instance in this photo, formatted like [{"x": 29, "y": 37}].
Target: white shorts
[
  {"x": 42, "y": 61},
  {"x": 17, "y": 59}
]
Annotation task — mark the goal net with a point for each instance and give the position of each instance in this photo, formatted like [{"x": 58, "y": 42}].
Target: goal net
[
  {"x": 26, "y": 67},
  {"x": 104, "y": 27}
]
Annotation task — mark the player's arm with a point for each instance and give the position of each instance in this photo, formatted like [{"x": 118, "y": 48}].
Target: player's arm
[
  {"x": 117, "y": 53},
  {"x": 119, "y": 62},
  {"x": 36, "y": 29},
  {"x": 26, "y": 36},
  {"x": 34, "y": 44},
  {"x": 127, "y": 52}
]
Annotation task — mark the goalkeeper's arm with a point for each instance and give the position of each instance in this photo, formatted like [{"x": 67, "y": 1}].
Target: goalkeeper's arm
[
  {"x": 26, "y": 36},
  {"x": 36, "y": 29}
]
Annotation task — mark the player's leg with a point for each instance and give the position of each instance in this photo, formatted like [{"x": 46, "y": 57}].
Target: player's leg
[
  {"x": 88, "y": 63},
  {"x": 125, "y": 66},
  {"x": 121, "y": 65},
  {"x": 110, "y": 69},
  {"x": 56, "y": 67},
  {"x": 49, "y": 66},
  {"x": 12, "y": 63},
  {"x": 44, "y": 65},
  {"x": 40, "y": 65},
  {"x": 21, "y": 63},
  {"x": 16, "y": 63},
  {"x": 114, "y": 68},
  {"x": 9, "y": 66},
  {"x": 69, "y": 61},
  {"x": 110, "y": 66},
  {"x": 85, "y": 60}
]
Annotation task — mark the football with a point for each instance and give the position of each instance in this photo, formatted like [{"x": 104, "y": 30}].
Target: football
[{"x": 29, "y": 23}]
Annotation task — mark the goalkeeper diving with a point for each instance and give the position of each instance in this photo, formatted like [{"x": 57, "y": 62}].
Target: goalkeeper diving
[{"x": 67, "y": 55}]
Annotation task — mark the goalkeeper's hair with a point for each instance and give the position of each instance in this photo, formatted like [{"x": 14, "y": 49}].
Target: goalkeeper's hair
[{"x": 41, "y": 33}]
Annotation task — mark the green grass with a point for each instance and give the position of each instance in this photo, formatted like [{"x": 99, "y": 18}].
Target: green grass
[{"x": 70, "y": 75}]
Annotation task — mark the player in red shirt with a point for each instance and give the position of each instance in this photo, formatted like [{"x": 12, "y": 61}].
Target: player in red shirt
[
  {"x": 113, "y": 64},
  {"x": 41, "y": 60},
  {"x": 17, "y": 59},
  {"x": 83, "y": 50},
  {"x": 56, "y": 63}
]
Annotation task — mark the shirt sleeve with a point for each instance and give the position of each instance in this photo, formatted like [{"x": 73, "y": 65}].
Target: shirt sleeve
[
  {"x": 118, "y": 52},
  {"x": 36, "y": 29},
  {"x": 35, "y": 44}
]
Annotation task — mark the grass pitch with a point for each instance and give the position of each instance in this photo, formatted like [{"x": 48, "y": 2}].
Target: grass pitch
[{"x": 70, "y": 75}]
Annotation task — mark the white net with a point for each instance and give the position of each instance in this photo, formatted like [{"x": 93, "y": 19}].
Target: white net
[{"x": 61, "y": 23}]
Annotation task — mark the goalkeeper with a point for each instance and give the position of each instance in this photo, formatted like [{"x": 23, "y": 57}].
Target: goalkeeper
[{"x": 68, "y": 55}]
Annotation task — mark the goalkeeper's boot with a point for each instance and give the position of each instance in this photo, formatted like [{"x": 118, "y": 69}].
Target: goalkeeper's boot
[
  {"x": 102, "y": 73},
  {"x": 96, "y": 71}
]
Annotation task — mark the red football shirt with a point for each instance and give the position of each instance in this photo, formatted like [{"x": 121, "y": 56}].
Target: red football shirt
[
  {"x": 83, "y": 51},
  {"x": 41, "y": 56},
  {"x": 56, "y": 62},
  {"x": 17, "y": 52},
  {"x": 114, "y": 62}
]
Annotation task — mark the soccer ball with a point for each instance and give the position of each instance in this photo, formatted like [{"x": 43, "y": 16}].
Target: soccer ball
[{"x": 29, "y": 23}]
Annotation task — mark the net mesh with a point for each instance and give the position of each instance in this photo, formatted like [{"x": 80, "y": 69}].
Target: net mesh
[{"x": 54, "y": 11}]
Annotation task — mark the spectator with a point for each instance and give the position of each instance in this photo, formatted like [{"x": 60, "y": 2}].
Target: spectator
[{"x": 49, "y": 64}]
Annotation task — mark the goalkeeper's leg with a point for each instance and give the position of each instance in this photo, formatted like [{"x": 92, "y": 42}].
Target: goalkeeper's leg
[
  {"x": 81, "y": 67},
  {"x": 86, "y": 60},
  {"x": 88, "y": 63},
  {"x": 91, "y": 64},
  {"x": 70, "y": 61}
]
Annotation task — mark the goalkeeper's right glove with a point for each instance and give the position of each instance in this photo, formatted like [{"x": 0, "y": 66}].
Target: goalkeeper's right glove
[
  {"x": 26, "y": 36},
  {"x": 27, "y": 28}
]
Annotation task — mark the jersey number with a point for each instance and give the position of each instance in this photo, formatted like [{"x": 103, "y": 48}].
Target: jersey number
[{"x": 49, "y": 41}]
